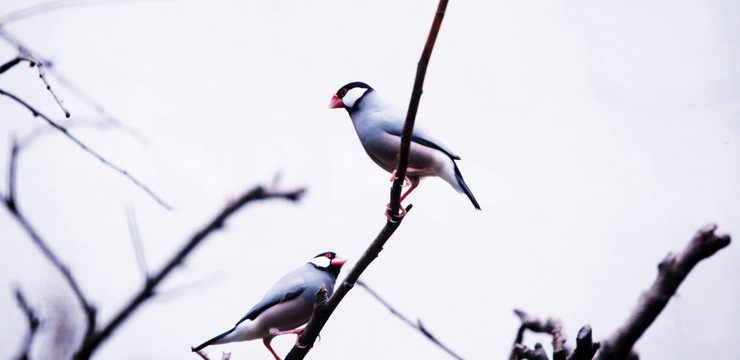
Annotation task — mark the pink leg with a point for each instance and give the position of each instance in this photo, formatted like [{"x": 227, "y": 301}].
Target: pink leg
[
  {"x": 414, "y": 184},
  {"x": 296, "y": 332},
  {"x": 266, "y": 341}
]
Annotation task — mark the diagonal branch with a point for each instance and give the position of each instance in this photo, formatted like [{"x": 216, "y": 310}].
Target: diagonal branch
[
  {"x": 408, "y": 127},
  {"x": 33, "y": 324},
  {"x": 84, "y": 147},
  {"x": 91, "y": 343},
  {"x": 10, "y": 202},
  {"x": 416, "y": 325},
  {"x": 671, "y": 272},
  {"x": 322, "y": 314}
]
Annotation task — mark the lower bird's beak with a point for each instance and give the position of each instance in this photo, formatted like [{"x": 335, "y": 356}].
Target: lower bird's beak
[
  {"x": 338, "y": 260},
  {"x": 335, "y": 102}
]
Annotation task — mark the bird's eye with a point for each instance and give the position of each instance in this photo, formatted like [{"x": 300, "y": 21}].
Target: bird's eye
[{"x": 342, "y": 92}]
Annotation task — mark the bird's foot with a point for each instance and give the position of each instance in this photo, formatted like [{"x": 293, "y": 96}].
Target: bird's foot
[
  {"x": 406, "y": 180},
  {"x": 402, "y": 213}
]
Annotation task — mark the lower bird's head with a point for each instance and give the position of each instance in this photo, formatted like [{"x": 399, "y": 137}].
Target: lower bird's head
[
  {"x": 349, "y": 95},
  {"x": 328, "y": 261}
]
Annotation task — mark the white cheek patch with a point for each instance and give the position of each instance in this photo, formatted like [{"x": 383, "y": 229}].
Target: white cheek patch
[
  {"x": 352, "y": 95},
  {"x": 321, "y": 261}
]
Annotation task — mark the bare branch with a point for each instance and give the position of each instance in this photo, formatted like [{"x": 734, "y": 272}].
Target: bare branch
[
  {"x": 321, "y": 316},
  {"x": 59, "y": 5},
  {"x": 522, "y": 352},
  {"x": 585, "y": 346},
  {"x": 42, "y": 75},
  {"x": 11, "y": 203},
  {"x": 91, "y": 343},
  {"x": 84, "y": 147},
  {"x": 671, "y": 272},
  {"x": 136, "y": 240},
  {"x": 33, "y": 324},
  {"x": 408, "y": 127},
  {"x": 417, "y": 326},
  {"x": 550, "y": 326}
]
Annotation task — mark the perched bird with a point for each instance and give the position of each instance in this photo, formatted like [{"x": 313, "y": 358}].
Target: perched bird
[
  {"x": 287, "y": 305},
  {"x": 379, "y": 125}
]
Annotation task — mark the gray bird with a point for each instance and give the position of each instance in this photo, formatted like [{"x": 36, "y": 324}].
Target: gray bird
[
  {"x": 379, "y": 125},
  {"x": 287, "y": 305}
]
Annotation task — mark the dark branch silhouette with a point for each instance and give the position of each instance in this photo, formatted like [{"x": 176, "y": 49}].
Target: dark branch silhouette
[
  {"x": 11, "y": 203},
  {"x": 408, "y": 127},
  {"x": 92, "y": 342},
  {"x": 84, "y": 147},
  {"x": 321, "y": 315},
  {"x": 33, "y": 324},
  {"x": 672, "y": 271},
  {"x": 42, "y": 75},
  {"x": 416, "y": 325}
]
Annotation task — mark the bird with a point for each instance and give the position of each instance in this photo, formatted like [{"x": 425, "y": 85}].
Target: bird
[
  {"x": 286, "y": 306},
  {"x": 379, "y": 125}
]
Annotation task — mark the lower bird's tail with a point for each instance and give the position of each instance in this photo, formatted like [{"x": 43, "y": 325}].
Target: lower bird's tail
[
  {"x": 215, "y": 340},
  {"x": 464, "y": 186}
]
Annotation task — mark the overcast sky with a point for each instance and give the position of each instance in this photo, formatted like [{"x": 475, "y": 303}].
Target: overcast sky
[{"x": 596, "y": 137}]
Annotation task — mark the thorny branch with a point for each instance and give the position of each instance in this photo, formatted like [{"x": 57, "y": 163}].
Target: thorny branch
[
  {"x": 416, "y": 325},
  {"x": 91, "y": 343},
  {"x": 321, "y": 315}
]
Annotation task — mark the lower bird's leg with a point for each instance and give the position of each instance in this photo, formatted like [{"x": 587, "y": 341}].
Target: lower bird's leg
[
  {"x": 266, "y": 341},
  {"x": 296, "y": 332}
]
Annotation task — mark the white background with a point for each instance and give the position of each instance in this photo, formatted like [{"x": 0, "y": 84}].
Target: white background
[{"x": 596, "y": 137}]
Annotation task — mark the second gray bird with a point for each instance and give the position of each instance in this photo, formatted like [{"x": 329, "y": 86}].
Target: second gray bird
[
  {"x": 379, "y": 125},
  {"x": 287, "y": 305}
]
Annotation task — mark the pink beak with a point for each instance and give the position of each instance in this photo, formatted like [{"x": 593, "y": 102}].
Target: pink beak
[
  {"x": 338, "y": 260},
  {"x": 335, "y": 102}
]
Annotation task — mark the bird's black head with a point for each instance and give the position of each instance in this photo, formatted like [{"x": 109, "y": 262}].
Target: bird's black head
[
  {"x": 329, "y": 262},
  {"x": 348, "y": 96}
]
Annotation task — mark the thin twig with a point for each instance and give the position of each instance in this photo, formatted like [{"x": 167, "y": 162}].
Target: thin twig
[
  {"x": 33, "y": 324},
  {"x": 90, "y": 344},
  {"x": 58, "y": 5},
  {"x": 84, "y": 147},
  {"x": 66, "y": 83},
  {"x": 418, "y": 326},
  {"x": 42, "y": 75},
  {"x": 671, "y": 272},
  {"x": 133, "y": 229}
]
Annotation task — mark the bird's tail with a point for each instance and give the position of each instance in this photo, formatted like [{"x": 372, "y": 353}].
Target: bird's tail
[
  {"x": 215, "y": 340},
  {"x": 464, "y": 186}
]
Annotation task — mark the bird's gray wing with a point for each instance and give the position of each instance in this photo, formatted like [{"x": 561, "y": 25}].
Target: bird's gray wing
[
  {"x": 422, "y": 138},
  {"x": 289, "y": 287}
]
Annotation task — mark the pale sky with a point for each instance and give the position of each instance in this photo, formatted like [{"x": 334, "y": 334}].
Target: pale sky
[{"x": 596, "y": 137}]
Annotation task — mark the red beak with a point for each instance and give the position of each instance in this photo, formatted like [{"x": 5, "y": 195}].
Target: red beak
[
  {"x": 338, "y": 260},
  {"x": 335, "y": 103}
]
